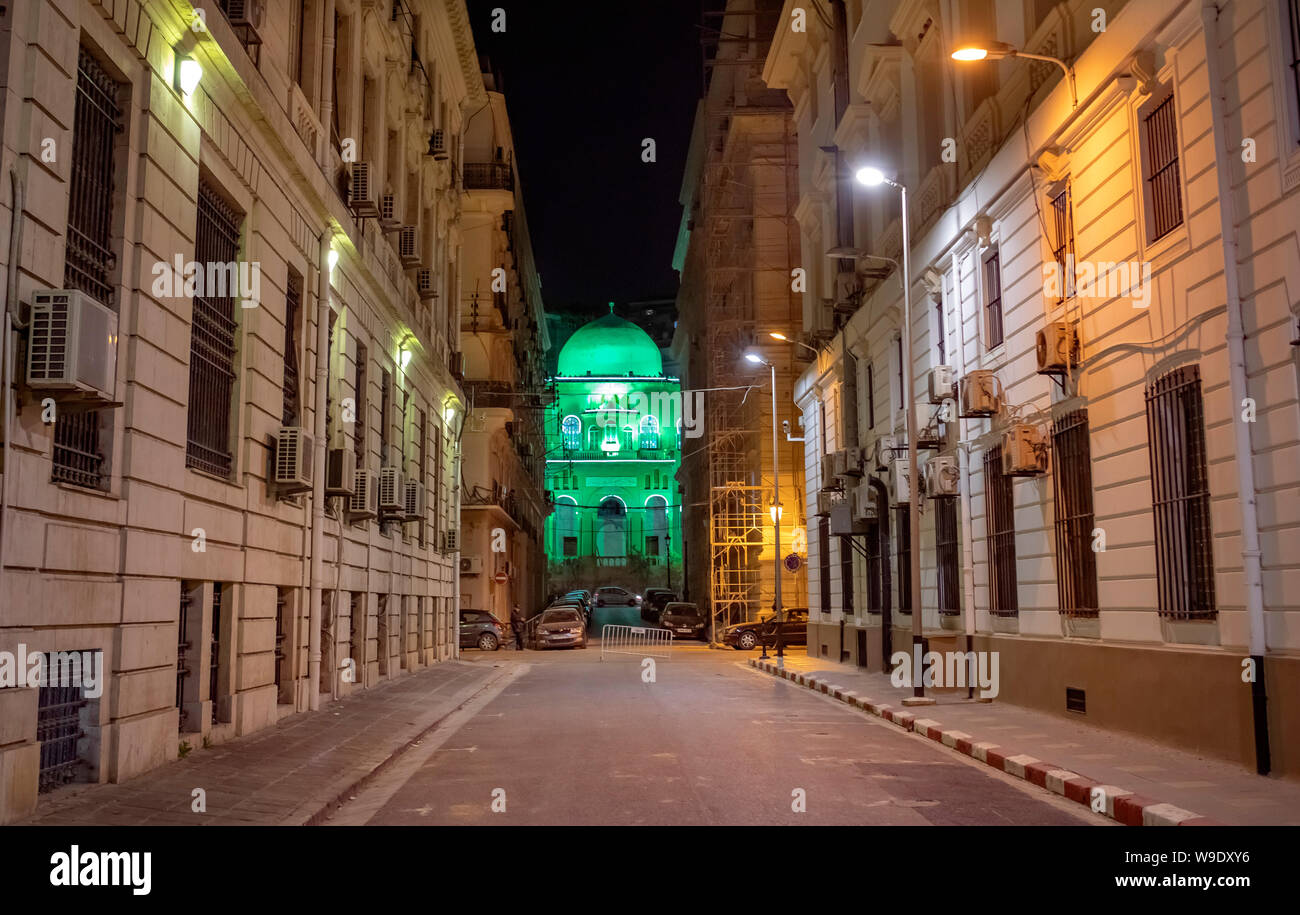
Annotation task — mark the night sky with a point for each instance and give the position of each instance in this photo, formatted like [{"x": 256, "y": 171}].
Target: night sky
[{"x": 585, "y": 82}]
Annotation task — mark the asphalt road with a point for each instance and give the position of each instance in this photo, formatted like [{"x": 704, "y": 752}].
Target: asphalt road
[{"x": 566, "y": 738}]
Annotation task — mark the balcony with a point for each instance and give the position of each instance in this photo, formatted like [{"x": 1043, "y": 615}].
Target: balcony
[{"x": 489, "y": 176}]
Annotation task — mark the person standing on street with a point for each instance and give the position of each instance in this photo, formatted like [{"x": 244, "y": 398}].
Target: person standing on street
[{"x": 517, "y": 625}]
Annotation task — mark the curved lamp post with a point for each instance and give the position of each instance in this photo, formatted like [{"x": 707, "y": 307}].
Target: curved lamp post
[
  {"x": 756, "y": 359},
  {"x": 999, "y": 50}
]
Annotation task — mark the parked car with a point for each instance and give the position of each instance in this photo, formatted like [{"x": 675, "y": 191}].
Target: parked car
[
  {"x": 582, "y": 596},
  {"x": 614, "y": 596},
  {"x": 480, "y": 629},
  {"x": 684, "y": 620},
  {"x": 653, "y": 601},
  {"x": 572, "y": 602},
  {"x": 560, "y": 627},
  {"x": 746, "y": 636}
]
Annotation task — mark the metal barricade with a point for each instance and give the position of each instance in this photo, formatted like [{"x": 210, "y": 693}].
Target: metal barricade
[{"x": 642, "y": 641}]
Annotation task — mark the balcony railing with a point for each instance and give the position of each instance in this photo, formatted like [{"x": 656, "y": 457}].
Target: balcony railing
[{"x": 489, "y": 176}]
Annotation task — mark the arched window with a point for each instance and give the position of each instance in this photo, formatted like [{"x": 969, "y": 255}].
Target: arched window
[
  {"x": 611, "y": 519},
  {"x": 566, "y": 526},
  {"x": 656, "y": 526},
  {"x": 571, "y": 429},
  {"x": 649, "y": 433}
]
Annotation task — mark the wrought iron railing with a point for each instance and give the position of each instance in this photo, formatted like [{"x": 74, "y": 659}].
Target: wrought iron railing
[{"x": 489, "y": 176}]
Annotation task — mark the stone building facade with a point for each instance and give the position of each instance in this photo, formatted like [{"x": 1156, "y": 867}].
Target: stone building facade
[
  {"x": 179, "y": 512},
  {"x": 1108, "y": 262}
]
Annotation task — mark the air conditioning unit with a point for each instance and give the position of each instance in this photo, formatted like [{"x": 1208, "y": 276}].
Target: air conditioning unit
[
  {"x": 825, "y": 501},
  {"x": 927, "y": 428},
  {"x": 364, "y": 501},
  {"x": 864, "y": 502},
  {"x": 829, "y": 470},
  {"x": 72, "y": 345},
  {"x": 246, "y": 14},
  {"x": 882, "y": 452},
  {"x": 425, "y": 285},
  {"x": 980, "y": 394},
  {"x": 408, "y": 247},
  {"x": 943, "y": 384},
  {"x": 414, "y": 501},
  {"x": 942, "y": 476},
  {"x": 341, "y": 472},
  {"x": 438, "y": 145},
  {"x": 451, "y": 540},
  {"x": 844, "y": 517},
  {"x": 293, "y": 446},
  {"x": 853, "y": 462},
  {"x": 471, "y": 565},
  {"x": 392, "y": 490},
  {"x": 388, "y": 220},
  {"x": 898, "y": 482},
  {"x": 362, "y": 198},
  {"x": 1024, "y": 453},
  {"x": 1058, "y": 348}
]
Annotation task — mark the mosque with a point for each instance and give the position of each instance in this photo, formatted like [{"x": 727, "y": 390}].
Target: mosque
[{"x": 613, "y": 450}]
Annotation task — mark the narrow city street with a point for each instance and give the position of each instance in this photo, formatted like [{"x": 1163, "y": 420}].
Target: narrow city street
[{"x": 572, "y": 739}]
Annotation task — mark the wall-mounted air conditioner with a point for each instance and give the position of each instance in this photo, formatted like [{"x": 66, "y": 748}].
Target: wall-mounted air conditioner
[
  {"x": 864, "y": 502},
  {"x": 825, "y": 501},
  {"x": 292, "y": 472},
  {"x": 247, "y": 15},
  {"x": 844, "y": 517},
  {"x": 830, "y": 468},
  {"x": 1058, "y": 348},
  {"x": 414, "y": 501},
  {"x": 471, "y": 565},
  {"x": 943, "y": 384},
  {"x": 927, "y": 427},
  {"x": 392, "y": 490},
  {"x": 364, "y": 501},
  {"x": 853, "y": 462},
  {"x": 340, "y": 472},
  {"x": 942, "y": 476},
  {"x": 408, "y": 246},
  {"x": 981, "y": 394},
  {"x": 898, "y": 482},
  {"x": 882, "y": 452},
  {"x": 1024, "y": 452},
  {"x": 361, "y": 200},
  {"x": 72, "y": 345},
  {"x": 388, "y": 220}
]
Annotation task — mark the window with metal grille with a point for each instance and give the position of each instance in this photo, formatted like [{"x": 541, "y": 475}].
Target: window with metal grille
[
  {"x": 1293, "y": 29},
  {"x": 357, "y": 632},
  {"x": 183, "y": 646},
  {"x": 824, "y": 563},
  {"x": 385, "y": 645},
  {"x": 1163, "y": 189},
  {"x": 1180, "y": 496},
  {"x": 359, "y": 406},
  {"x": 904, "y": 560},
  {"x": 1000, "y": 521},
  {"x": 993, "y": 298},
  {"x": 898, "y": 358},
  {"x": 385, "y": 420},
  {"x": 421, "y": 462},
  {"x": 875, "y": 569},
  {"x": 214, "y": 659},
  {"x": 282, "y": 674},
  {"x": 292, "y": 303},
  {"x": 58, "y": 728},
  {"x": 1063, "y": 240},
  {"x": 871, "y": 398},
  {"x": 212, "y": 339},
  {"x": 940, "y": 332},
  {"x": 946, "y": 548},
  {"x": 846, "y": 576},
  {"x": 89, "y": 259},
  {"x": 1076, "y": 563},
  {"x": 571, "y": 430}
]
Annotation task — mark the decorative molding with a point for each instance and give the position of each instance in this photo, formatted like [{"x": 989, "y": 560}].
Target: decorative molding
[{"x": 882, "y": 87}]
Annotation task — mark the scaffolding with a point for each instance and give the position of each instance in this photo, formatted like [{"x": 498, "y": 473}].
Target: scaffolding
[{"x": 751, "y": 149}]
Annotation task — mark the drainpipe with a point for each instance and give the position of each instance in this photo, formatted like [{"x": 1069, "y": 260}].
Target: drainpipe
[
  {"x": 1250, "y": 553},
  {"x": 963, "y": 462},
  {"x": 7, "y": 352},
  {"x": 318, "y": 474}
]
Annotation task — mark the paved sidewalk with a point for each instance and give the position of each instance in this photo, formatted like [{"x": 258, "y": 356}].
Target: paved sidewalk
[
  {"x": 1162, "y": 785},
  {"x": 288, "y": 774}
]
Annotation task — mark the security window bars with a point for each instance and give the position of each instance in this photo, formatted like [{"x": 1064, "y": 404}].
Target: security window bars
[
  {"x": 904, "y": 560},
  {"x": 214, "y": 658},
  {"x": 292, "y": 303},
  {"x": 993, "y": 299},
  {"x": 1293, "y": 29},
  {"x": 941, "y": 333},
  {"x": 846, "y": 576},
  {"x": 1180, "y": 496},
  {"x": 212, "y": 340},
  {"x": 1063, "y": 241},
  {"x": 58, "y": 728},
  {"x": 281, "y": 636},
  {"x": 89, "y": 259},
  {"x": 385, "y": 403},
  {"x": 359, "y": 405},
  {"x": 357, "y": 630},
  {"x": 871, "y": 398},
  {"x": 1001, "y": 524},
  {"x": 421, "y": 461},
  {"x": 183, "y": 650},
  {"x": 1166, "y": 203},
  {"x": 571, "y": 429},
  {"x": 945, "y": 535},
  {"x": 1076, "y": 563},
  {"x": 824, "y": 563},
  {"x": 876, "y": 582}
]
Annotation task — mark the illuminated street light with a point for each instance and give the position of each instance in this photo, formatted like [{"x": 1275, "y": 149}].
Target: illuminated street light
[
  {"x": 756, "y": 359},
  {"x": 972, "y": 51},
  {"x": 784, "y": 339},
  {"x": 188, "y": 73}
]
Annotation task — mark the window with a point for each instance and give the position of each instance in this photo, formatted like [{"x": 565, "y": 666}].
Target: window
[
  {"x": 1164, "y": 200},
  {"x": 212, "y": 339},
  {"x": 385, "y": 405},
  {"x": 946, "y": 548},
  {"x": 1076, "y": 563},
  {"x": 570, "y": 547},
  {"x": 904, "y": 560},
  {"x": 571, "y": 430},
  {"x": 1180, "y": 496},
  {"x": 871, "y": 398},
  {"x": 359, "y": 406},
  {"x": 1293, "y": 45},
  {"x": 283, "y": 667},
  {"x": 1001, "y": 525},
  {"x": 824, "y": 563},
  {"x": 385, "y": 644},
  {"x": 421, "y": 462},
  {"x": 649, "y": 433},
  {"x": 898, "y": 358},
  {"x": 89, "y": 261},
  {"x": 1063, "y": 241},
  {"x": 292, "y": 301},
  {"x": 357, "y": 634},
  {"x": 846, "y": 576},
  {"x": 940, "y": 332},
  {"x": 993, "y": 298}
]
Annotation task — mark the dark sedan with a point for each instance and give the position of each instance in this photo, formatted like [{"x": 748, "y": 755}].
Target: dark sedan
[
  {"x": 684, "y": 621},
  {"x": 746, "y": 636},
  {"x": 560, "y": 627},
  {"x": 480, "y": 629},
  {"x": 653, "y": 601}
]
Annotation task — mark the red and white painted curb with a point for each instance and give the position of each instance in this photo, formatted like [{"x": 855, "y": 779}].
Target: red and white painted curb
[{"x": 1120, "y": 805}]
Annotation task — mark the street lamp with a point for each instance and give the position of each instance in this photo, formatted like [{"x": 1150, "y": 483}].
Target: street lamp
[
  {"x": 971, "y": 51},
  {"x": 784, "y": 339},
  {"x": 756, "y": 359},
  {"x": 873, "y": 177}
]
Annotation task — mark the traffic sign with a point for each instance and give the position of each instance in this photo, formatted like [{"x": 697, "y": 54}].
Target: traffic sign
[
  {"x": 793, "y": 563},
  {"x": 501, "y": 578}
]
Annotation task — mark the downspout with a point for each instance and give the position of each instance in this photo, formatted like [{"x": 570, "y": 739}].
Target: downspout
[
  {"x": 1250, "y": 553},
  {"x": 7, "y": 353},
  {"x": 318, "y": 473},
  {"x": 963, "y": 462}
]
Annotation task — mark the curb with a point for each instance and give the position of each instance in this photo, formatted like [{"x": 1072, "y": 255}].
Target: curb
[{"x": 1121, "y": 805}]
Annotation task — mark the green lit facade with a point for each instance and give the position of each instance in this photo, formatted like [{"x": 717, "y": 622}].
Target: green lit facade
[{"x": 613, "y": 449}]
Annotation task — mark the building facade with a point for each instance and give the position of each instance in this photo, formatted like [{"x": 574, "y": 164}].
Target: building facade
[
  {"x": 613, "y": 449},
  {"x": 234, "y": 482},
  {"x": 1105, "y": 264},
  {"x": 505, "y": 341}
]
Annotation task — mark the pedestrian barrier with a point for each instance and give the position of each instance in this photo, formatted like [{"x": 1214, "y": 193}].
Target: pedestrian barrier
[{"x": 642, "y": 641}]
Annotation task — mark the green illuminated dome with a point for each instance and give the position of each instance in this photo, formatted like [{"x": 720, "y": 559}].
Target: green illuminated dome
[{"x": 610, "y": 346}]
